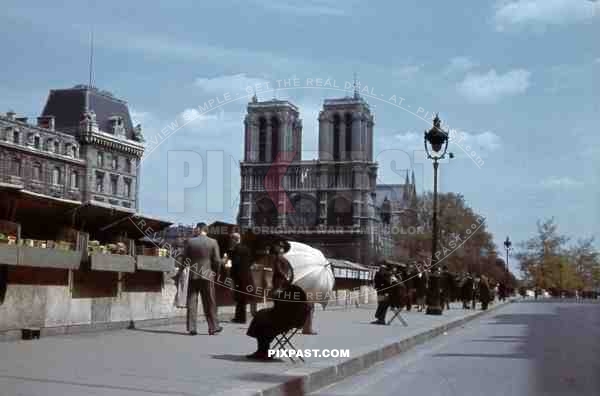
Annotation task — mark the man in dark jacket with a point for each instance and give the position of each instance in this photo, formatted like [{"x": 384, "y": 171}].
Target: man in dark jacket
[
  {"x": 290, "y": 308},
  {"x": 484, "y": 292},
  {"x": 241, "y": 274},
  {"x": 409, "y": 277},
  {"x": 381, "y": 282},
  {"x": 447, "y": 287},
  {"x": 467, "y": 290},
  {"x": 421, "y": 289}
]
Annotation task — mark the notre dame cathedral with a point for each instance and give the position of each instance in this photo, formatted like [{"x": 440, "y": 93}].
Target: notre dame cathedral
[{"x": 330, "y": 203}]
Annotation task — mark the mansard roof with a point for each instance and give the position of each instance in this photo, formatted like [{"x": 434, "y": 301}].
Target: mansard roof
[{"x": 69, "y": 105}]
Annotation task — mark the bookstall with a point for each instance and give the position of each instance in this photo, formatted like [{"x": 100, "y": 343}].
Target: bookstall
[
  {"x": 150, "y": 256},
  {"x": 38, "y": 233}
]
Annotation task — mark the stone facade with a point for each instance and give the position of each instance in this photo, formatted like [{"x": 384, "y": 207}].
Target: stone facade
[
  {"x": 83, "y": 148},
  {"x": 328, "y": 202},
  {"x": 40, "y": 159}
]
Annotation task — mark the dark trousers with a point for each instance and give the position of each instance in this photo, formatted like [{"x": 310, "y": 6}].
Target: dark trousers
[
  {"x": 382, "y": 307},
  {"x": 240, "y": 310},
  {"x": 206, "y": 289},
  {"x": 309, "y": 319},
  {"x": 445, "y": 295},
  {"x": 263, "y": 344}
]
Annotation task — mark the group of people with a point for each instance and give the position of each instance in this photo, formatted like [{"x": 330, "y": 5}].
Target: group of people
[
  {"x": 406, "y": 287},
  {"x": 202, "y": 256}
]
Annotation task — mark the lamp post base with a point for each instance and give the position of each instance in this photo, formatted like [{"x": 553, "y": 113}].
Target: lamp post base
[{"x": 433, "y": 311}]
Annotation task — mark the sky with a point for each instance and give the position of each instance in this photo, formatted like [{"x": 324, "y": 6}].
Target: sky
[{"x": 516, "y": 81}]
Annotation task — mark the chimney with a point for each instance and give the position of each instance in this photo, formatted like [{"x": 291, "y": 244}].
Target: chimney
[
  {"x": 11, "y": 115},
  {"x": 22, "y": 119},
  {"x": 46, "y": 122}
]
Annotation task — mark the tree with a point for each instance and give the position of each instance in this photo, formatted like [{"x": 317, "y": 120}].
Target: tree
[
  {"x": 586, "y": 262},
  {"x": 464, "y": 243},
  {"x": 541, "y": 256}
]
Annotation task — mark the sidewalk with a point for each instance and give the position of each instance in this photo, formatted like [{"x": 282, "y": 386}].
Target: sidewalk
[{"x": 167, "y": 361}]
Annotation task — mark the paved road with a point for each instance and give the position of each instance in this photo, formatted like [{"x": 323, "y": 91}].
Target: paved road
[{"x": 534, "y": 348}]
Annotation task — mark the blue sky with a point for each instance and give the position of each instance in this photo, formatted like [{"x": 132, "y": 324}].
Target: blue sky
[{"x": 518, "y": 79}]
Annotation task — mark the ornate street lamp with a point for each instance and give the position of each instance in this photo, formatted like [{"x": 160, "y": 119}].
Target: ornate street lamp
[
  {"x": 438, "y": 140},
  {"x": 507, "y": 245}
]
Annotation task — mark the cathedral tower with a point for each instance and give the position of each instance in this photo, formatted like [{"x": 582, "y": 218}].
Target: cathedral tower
[{"x": 272, "y": 127}]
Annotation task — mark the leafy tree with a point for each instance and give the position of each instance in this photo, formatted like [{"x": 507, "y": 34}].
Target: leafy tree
[{"x": 541, "y": 256}]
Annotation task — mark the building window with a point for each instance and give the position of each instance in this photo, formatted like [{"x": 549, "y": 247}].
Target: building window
[
  {"x": 348, "y": 137},
  {"x": 127, "y": 191},
  {"x": 37, "y": 171},
  {"x": 336, "y": 137},
  {"x": 115, "y": 162},
  {"x": 74, "y": 151},
  {"x": 16, "y": 137},
  {"x": 36, "y": 142},
  {"x": 129, "y": 165},
  {"x": 99, "y": 182},
  {"x": 262, "y": 140},
  {"x": 275, "y": 132},
  {"x": 74, "y": 180},
  {"x": 16, "y": 167},
  {"x": 114, "y": 184},
  {"x": 100, "y": 160},
  {"x": 56, "y": 147},
  {"x": 56, "y": 176}
]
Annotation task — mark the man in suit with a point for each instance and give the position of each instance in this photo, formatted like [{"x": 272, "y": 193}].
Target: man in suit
[
  {"x": 241, "y": 274},
  {"x": 203, "y": 257}
]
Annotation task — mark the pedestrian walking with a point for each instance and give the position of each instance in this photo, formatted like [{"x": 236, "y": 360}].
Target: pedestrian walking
[
  {"x": 202, "y": 255},
  {"x": 467, "y": 290},
  {"x": 447, "y": 287},
  {"x": 484, "y": 292},
  {"x": 421, "y": 290},
  {"x": 381, "y": 282}
]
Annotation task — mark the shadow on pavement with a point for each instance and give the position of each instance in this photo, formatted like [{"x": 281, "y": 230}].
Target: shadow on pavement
[
  {"x": 243, "y": 358},
  {"x": 173, "y": 332},
  {"x": 93, "y": 386}
]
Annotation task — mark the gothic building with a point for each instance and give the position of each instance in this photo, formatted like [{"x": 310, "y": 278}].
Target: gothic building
[
  {"x": 83, "y": 148},
  {"x": 329, "y": 202}
]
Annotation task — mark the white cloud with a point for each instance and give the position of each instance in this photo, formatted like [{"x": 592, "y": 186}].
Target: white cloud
[
  {"x": 544, "y": 12},
  {"x": 491, "y": 86},
  {"x": 560, "y": 182},
  {"x": 460, "y": 64},
  {"x": 237, "y": 83},
  {"x": 193, "y": 116},
  {"x": 480, "y": 143}
]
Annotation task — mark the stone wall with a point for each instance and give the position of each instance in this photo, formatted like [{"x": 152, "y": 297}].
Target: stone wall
[
  {"x": 40, "y": 297},
  {"x": 46, "y": 298}
]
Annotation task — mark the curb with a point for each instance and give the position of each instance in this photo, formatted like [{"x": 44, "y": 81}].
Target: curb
[{"x": 305, "y": 380}]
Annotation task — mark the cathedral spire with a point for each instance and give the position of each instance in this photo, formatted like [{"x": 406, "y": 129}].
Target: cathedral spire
[
  {"x": 413, "y": 178},
  {"x": 406, "y": 182}
]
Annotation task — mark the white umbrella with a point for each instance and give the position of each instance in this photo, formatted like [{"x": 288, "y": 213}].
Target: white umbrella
[{"x": 312, "y": 272}]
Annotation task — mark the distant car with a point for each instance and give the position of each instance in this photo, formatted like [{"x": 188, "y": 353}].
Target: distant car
[{"x": 530, "y": 293}]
